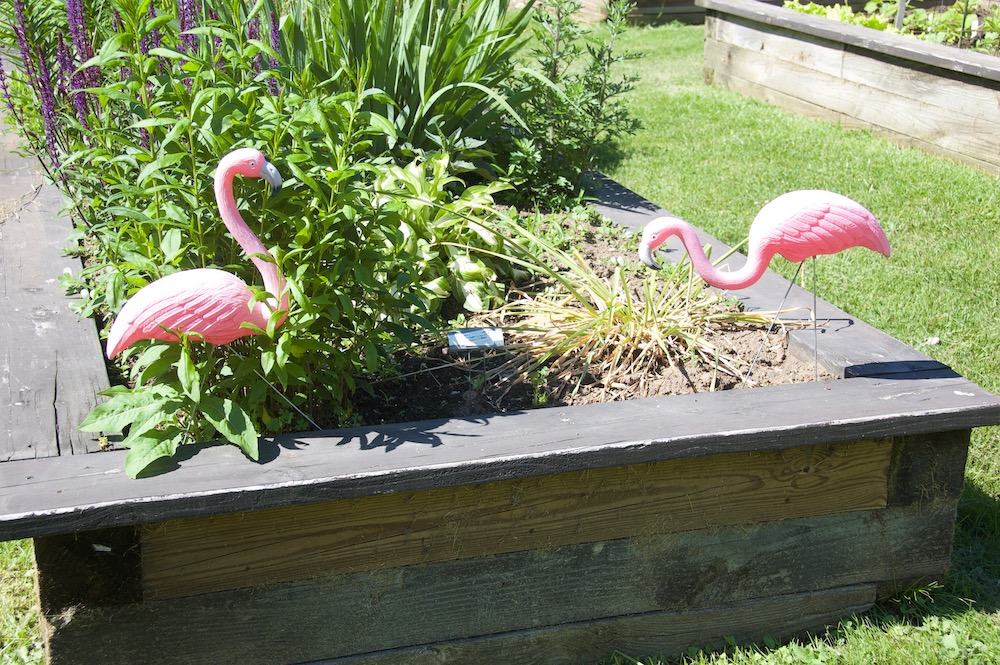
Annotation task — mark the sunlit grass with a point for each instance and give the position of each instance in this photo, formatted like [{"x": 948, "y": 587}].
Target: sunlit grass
[{"x": 19, "y": 637}]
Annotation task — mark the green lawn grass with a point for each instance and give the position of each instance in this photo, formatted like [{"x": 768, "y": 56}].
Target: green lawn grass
[
  {"x": 19, "y": 637},
  {"x": 715, "y": 158}
]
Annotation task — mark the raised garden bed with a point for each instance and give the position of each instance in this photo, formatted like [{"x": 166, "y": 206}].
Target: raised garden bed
[
  {"x": 555, "y": 535},
  {"x": 938, "y": 98}
]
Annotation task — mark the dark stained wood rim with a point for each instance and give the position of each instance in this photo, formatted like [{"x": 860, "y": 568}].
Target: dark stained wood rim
[{"x": 83, "y": 492}]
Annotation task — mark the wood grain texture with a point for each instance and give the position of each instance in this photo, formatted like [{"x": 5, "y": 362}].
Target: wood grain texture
[
  {"x": 93, "y": 492},
  {"x": 51, "y": 365},
  {"x": 396, "y": 607},
  {"x": 188, "y": 557},
  {"x": 669, "y": 633},
  {"x": 437, "y": 607}
]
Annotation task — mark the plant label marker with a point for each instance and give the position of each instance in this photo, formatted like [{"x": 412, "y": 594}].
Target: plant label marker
[{"x": 473, "y": 339}]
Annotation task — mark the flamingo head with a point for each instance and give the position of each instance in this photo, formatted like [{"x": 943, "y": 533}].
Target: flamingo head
[
  {"x": 251, "y": 163},
  {"x": 655, "y": 234}
]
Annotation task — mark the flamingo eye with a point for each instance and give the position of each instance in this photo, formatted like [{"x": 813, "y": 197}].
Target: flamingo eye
[{"x": 253, "y": 163}]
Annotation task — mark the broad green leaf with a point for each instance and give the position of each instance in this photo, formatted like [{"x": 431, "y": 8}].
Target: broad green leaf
[
  {"x": 171, "y": 245},
  {"x": 130, "y": 406},
  {"x": 267, "y": 361},
  {"x": 232, "y": 422},
  {"x": 188, "y": 376},
  {"x": 155, "y": 445}
]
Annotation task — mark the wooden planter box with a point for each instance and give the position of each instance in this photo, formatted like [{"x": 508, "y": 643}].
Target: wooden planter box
[
  {"x": 938, "y": 98},
  {"x": 551, "y": 536}
]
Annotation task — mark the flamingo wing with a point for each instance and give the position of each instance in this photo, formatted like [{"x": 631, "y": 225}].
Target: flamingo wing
[
  {"x": 211, "y": 303},
  {"x": 807, "y": 223}
]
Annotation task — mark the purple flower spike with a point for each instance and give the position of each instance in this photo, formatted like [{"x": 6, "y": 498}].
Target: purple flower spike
[
  {"x": 21, "y": 34},
  {"x": 65, "y": 62},
  {"x": 275, "y": 38},
  {"x": 272, "y": 83},
  {"x": 152, "y": 38},
  {"x": 6, "y": 92},
  {"x": 81, "y": 40},
  {"x": 47, "y": 97},
  {"x": 253, "y": 32},
  {"x": 188, "y": 21}
]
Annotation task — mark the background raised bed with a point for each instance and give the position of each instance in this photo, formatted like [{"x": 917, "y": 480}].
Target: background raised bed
[{"x": 938, "y": 98}]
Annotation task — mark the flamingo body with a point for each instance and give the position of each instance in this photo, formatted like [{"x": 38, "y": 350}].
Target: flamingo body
[
  {"x": 212, "y": 304},
  {"x": 206, "y": 302},
  {"x": 797, "y": 225}
]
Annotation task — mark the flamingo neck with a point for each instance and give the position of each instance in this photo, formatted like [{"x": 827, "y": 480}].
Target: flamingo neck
[
  {"x": 245, "y": 238},
  {"x": 750, "y": 272}
]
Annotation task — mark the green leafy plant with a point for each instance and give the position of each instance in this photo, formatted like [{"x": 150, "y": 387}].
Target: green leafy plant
[
  {"x": 574, "y": 104},
  {"x": 432, "y": 222},
  {"x": 171, "y": 93},
  {"x": 954, "y": 25},
  {"x": 441, "y": 66}
]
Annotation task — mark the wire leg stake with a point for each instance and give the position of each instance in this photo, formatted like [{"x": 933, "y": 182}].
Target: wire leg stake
[
  {"x": 770, "y": 327},
  {"x": 815, "y": 326}
]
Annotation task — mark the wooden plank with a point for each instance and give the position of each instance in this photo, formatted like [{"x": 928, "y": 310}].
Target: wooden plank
[
  {"x": 928, "y": 468},
  {"x": 392, "y": 607},
  {"x": 959, "y": 125},
  {"x": 93, "y": 492},
  {"x": 365, "y": 614},
  {"x": 666, "y": 633},
  {"x": 969, "y": 149},
  {"x": 51, "y": 364},
  {"x": 200, "y": 555},
  {"x": 807, "y": 68},
  {"x": 804, "y": 50},
  {"x": 967, "y": 97}
]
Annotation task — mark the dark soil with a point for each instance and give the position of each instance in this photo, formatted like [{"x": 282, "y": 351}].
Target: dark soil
[{"x": 430, "y": 383}]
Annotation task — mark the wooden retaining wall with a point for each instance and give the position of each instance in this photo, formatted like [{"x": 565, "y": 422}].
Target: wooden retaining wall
[
  {"x": 558, "y": 568},
  {"x": 937, "y": 98}
]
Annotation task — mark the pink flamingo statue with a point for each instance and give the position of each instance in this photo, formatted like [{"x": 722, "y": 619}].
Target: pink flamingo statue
[
  {"x": 797, "y": 225},
  {"x": 209, "y": 303}
]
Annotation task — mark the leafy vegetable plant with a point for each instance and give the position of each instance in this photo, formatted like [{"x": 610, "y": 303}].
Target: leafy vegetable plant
[{"x": 962, "y": 24}]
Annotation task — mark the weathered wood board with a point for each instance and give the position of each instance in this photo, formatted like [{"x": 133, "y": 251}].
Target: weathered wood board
[
  {"x": 655, "y": 632},
  {"x": 685, "y": 11},
  {"x": 93, "y": 492},
  {"x": 51, "y": 366},
  {"x": 186, "y": 557},
  {"x": 940, "y": 99},
  {"x": 265, "y": 629},
  {"x": 643, "y": 553}
]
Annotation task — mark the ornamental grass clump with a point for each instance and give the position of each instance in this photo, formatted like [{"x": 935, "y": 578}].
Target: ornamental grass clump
[{"x": 620, "y": 329}]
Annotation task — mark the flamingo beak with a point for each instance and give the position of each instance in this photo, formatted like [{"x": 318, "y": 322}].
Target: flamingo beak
[
  {"x": 269, "y": 173},
  {"x": 646, "y": 254}
]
